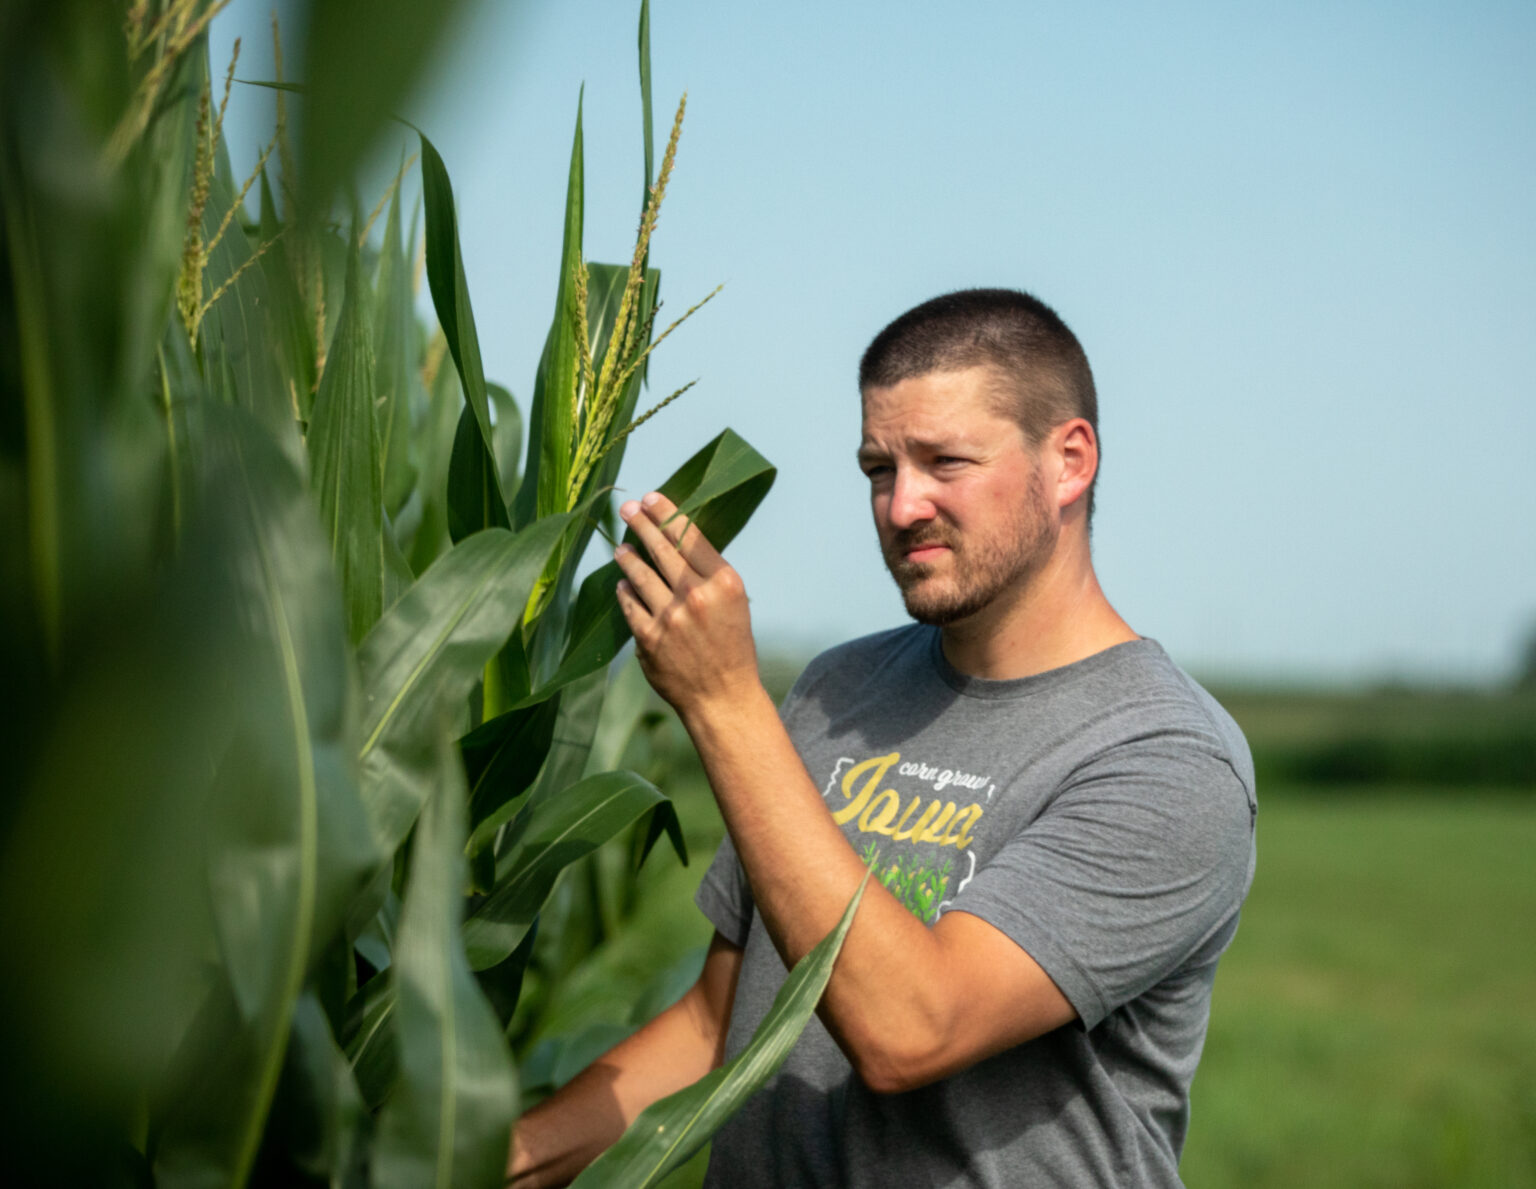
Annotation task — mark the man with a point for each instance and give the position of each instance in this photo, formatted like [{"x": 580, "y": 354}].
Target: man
[{"x": 1060, "y": 821}]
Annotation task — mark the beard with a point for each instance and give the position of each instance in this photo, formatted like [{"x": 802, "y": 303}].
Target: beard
[{"x": 981, "y": 566}]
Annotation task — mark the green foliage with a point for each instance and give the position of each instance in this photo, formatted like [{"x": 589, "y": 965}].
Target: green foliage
[
  {"x": 312, "y": 725},
  {"x": 1435, "y": 738}
]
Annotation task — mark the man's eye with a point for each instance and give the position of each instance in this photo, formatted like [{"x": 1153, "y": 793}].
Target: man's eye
[{"x": 876, "y": 470}]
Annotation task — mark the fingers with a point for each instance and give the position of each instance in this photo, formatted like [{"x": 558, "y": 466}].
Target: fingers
[
  {"x": 641, "y": 582},
  {"x": 673, "y": 541}
]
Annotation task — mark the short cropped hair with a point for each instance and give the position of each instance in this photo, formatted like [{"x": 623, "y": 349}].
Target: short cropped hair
[{"x": 1043, "y": 370}]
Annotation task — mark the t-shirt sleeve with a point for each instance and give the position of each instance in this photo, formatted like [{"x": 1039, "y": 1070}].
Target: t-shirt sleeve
[
  {"x": 1141, "y": 859},
  {"x": 724, "y": 897}
]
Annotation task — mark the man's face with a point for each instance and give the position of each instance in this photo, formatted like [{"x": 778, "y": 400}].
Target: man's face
[{"x": 957, "y": 495}]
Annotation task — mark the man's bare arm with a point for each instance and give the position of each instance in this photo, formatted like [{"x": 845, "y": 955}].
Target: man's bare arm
[
  {"x": 967, "y": 990},
  {"x": 565, "y": 1133}
]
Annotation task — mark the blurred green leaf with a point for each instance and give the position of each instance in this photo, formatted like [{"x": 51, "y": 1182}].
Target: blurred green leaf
[
  {"x": 448, "y": 1121},
  {"x": 363, "y": 58},
  {"x": 344, "y": 458},
  {"x": 424, "y": 656},
  {"x": 291, "y": 843},
  {"x": 559, "y": 831},
  {"x": 719, "y": 487},
  {"x": 668, "y": 1132},
  {"x": 84, "y": 249},
  {"x": 288, "y": 843}
]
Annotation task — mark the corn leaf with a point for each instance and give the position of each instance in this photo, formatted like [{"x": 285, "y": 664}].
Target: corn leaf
[
  {"x": 474, "y": 487},
  {"x": 289, "y": 321},
  {"x": 501, "y": 759},
  {"x": 605, "y": 292},
  {"x": 318, "y": 1123},
  {"x": 424, "y": 656},
  {"x": 644, "y": 39},
  {"x": 395, "y": 336},
  {"x": 450, "y": 298},
  {"x": 719, "y": 487},
  {"x": 370, "y": 1044},
  {"x": 581, "y": 708},
  {"x": 159, "y": 185},
  {"x": 559, "y": 831},
  {"x": 344, "y": 459},
  {"x": 509, "y": 436},
  {"x": 503, "y": 983},
  {"x": 625, "y": 704},
  {"x": 236, "y": 337},
  {"x": 552, "y": 419},
  {"x": 444, "y": 404},
  {"x": 446, "y": 1123},
  {"x": 668, "y": 1132}
]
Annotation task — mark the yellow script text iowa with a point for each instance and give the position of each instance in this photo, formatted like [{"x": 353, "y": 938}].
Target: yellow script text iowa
[{"x": 882, "y": 813}]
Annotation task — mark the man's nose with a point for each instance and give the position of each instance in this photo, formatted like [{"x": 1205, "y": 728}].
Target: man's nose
[{"x": 910, "y": 502}]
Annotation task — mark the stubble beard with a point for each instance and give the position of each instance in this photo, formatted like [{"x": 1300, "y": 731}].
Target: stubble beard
[{"x": 981, "y": 570}]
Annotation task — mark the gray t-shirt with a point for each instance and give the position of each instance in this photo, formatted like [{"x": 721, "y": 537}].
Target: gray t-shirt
[{"x": 1101, "y": 815}]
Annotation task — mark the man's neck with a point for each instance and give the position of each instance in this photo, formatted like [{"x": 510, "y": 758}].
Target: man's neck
[{"x": 1058, "y": 617}]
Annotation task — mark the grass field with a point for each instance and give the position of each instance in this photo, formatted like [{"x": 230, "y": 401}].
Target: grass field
[{"x": 1375, "y": 1020}]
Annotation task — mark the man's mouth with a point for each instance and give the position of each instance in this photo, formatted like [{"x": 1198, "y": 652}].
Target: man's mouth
[{"x": 920, "y": 548}]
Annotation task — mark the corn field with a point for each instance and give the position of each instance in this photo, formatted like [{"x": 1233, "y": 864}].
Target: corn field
[{"x": 308, "y": 711}]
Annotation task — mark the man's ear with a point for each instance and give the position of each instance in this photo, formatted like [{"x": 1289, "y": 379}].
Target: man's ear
[{"x": 1077, "y": 447}]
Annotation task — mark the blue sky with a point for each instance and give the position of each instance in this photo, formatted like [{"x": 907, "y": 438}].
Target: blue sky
[{"x": 1296, "y": 241}]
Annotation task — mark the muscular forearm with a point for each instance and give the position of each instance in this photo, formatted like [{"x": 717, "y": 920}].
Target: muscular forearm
[
  {"x": 561, "y": 1136},
  {"x": 891, "y": 1030}
]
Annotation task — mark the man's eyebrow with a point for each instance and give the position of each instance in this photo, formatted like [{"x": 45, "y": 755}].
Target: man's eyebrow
[{"x": 943, "y": 445}]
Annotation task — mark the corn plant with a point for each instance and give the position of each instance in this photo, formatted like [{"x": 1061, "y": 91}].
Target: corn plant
[{"x": 305, "y": 692}]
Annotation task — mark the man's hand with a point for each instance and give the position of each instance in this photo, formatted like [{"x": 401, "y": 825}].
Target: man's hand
[{"x": 687, "y": 609}]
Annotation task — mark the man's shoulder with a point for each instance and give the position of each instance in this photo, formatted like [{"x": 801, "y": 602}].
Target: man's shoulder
[
  {"x": 848, "y": 672},
  {"x": 1150, "y": 693},
  {"x": 857, "y": 659}
]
